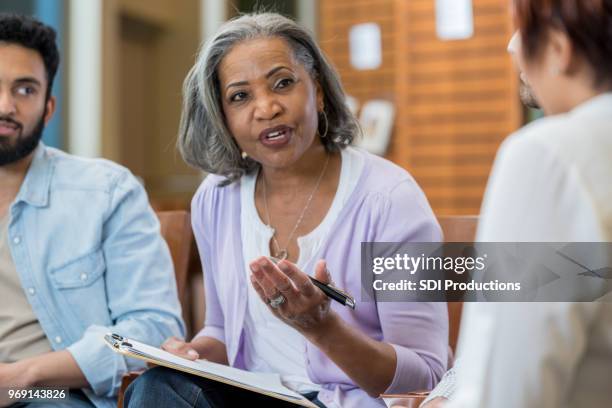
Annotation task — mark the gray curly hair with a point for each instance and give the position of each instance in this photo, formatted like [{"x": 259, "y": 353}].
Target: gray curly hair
[{"x": 204, "y": 140}]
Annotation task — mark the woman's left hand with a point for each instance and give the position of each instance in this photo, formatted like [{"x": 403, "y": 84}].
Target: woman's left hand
[{"x": 305, "y": 307}]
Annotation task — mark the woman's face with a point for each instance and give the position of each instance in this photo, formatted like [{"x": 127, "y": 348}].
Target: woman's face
[{"x": 270, "y": 101}]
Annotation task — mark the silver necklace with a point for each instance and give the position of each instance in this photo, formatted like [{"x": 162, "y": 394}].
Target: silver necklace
[{"x": 282, "y": 253}]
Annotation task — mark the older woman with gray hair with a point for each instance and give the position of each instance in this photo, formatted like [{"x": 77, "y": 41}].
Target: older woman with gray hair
[{"x": 264, "y": 112}]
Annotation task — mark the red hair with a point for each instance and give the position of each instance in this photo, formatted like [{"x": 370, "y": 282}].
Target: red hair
[{"x": 587, "y": 23}]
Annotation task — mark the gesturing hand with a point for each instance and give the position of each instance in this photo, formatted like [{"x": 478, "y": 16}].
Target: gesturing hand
[{"x": 290, "y": 294}]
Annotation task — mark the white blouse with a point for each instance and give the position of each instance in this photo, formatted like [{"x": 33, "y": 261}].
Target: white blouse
[
  {"x": 271, "y": 345},
  {"x": 551, "y": 182}
]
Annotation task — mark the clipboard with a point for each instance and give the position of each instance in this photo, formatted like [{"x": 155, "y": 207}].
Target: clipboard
[{"x": 263, "y": 383}]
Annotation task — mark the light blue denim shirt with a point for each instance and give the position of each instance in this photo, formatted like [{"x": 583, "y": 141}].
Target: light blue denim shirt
[{"x": 88, "y": 250}]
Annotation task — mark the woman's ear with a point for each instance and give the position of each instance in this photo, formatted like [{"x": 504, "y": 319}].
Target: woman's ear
[
  {"x": 320, "y": 97},
  {"x": 563, "y": 61}
]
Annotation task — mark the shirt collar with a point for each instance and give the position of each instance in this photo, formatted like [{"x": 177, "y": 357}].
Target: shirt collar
[
  {"x": 37, "y": 183},
  {"x": 596, "y": 106}
]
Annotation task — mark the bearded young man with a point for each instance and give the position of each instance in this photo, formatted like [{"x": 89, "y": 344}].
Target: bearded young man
[{"x": 80, "y": 249}]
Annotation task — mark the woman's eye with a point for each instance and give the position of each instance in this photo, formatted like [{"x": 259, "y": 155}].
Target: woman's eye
[
  {"x": 283, "y": 83},
  {"x": 238, "y": 96}
]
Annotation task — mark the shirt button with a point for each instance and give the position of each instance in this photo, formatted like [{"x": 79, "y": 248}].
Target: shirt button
[
  {"x": 32, "y": 291},
  {"x": 17, "y": 240},
  {"x": 58, "y": 339},
  {"x": 83, "y": 276}
]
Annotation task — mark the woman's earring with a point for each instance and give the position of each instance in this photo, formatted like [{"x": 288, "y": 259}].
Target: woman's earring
[
  {"x": 324, "y": 135},
  {"x": 244, "y": 155}
]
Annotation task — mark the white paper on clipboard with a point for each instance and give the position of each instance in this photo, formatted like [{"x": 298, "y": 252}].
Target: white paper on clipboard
[{"x": 263, "y": 383}]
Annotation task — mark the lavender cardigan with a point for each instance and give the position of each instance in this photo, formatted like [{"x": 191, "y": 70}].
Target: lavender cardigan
[{"x": 386, "y": 205}]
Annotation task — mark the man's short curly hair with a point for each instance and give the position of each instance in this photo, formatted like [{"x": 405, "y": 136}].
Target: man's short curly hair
[{"x": 31, "y": 33}]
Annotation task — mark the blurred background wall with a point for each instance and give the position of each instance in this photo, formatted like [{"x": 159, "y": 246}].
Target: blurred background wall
[
  {"x": 455, "y": 99},
  {"x": 124, "y": 61}
]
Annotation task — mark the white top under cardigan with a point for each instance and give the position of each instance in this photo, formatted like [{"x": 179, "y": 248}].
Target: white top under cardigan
[{"x": 271, "y": 345}]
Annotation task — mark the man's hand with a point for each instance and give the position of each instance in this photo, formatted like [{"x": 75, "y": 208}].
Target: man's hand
[
  {"x": 437, "y": 402},
  {"x": 12, "y": 375},
  {"x": 15, "y": 375},
  {"x": 53, "y": 369}
]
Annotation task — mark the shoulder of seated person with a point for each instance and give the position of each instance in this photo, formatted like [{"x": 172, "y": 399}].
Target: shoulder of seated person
[
  {"x": 93, "y": 173},
  {"x": 212, "y": 185},
  {"x": 385, "y": 177},
  {"x": 548, "y": 133}
]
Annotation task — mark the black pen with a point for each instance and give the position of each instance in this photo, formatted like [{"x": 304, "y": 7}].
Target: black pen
[
  {"x": 331, "y": 292},
  {"x": 334, "y": 293}
]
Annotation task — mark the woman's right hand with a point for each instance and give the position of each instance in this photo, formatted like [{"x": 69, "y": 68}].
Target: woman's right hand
[{"x": 180, "y": 348}]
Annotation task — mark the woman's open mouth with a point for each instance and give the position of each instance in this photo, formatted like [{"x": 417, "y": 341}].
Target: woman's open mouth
[{"x": 277, "y": 136}]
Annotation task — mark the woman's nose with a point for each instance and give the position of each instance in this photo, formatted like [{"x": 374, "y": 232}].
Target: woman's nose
[{"x": 267, "y": 107}]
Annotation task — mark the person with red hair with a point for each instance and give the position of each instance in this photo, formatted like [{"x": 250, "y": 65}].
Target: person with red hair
[{"x": 550, "y": 183}]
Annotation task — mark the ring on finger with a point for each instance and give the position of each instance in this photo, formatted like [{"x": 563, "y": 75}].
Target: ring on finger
[{"x": 276, "y": 301}]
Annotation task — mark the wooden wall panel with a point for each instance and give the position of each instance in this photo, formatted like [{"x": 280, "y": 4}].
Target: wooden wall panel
[
  {"x": 455, "y": 100},
  {"x": 336, "y": 19}
]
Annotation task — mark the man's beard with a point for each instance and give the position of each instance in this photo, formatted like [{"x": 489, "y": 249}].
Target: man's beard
[
  {"x": 527, "y": 97},
  {"x": 24, "y": 144}
]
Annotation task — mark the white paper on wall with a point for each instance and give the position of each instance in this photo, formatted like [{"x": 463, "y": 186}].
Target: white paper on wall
[
  {"x": 454, "y": 19},
  {"x": 365, "y": 46}
]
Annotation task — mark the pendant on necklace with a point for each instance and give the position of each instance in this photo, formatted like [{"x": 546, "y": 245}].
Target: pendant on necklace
[{"x": 282, "y": 254}]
